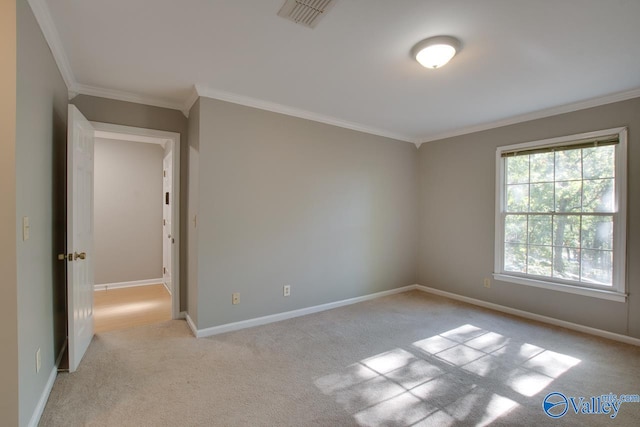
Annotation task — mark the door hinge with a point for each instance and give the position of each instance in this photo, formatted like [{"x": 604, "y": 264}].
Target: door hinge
[
  {"x": 164, "y": 173},
  {"x": 63, "y": 257}
]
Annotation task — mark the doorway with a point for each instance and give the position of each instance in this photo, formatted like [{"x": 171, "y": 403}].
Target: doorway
[{"x": 137, "y": 226}]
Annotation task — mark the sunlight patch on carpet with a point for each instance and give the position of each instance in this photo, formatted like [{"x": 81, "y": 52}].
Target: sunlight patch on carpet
[{"x": 461, "y": 375}]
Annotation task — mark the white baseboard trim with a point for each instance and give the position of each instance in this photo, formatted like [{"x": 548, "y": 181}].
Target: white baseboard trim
[
  {"x": 215, "y": 330},
  {"x": 146, "y": 282},
  {"x": 37, "y": 412},
  {"x": 167, "y": 287},
  {"x": 42, "y": 402},
  {"x": 191, "y": 324},
  {"x": 528, "y": 315}
]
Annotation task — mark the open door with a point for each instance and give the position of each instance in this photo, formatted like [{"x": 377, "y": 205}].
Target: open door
[
  {"x": 167, "y": 216},
  {"x": 80, "y": 280}
]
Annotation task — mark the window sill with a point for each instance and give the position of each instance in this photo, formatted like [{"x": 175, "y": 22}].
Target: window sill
[{"x": 595, "y": 293}]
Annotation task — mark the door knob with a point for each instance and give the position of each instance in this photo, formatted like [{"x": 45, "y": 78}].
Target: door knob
[{"x": 81, "y": 255}]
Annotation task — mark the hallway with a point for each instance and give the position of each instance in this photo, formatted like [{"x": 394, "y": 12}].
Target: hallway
[{"x": 124, "y": 308}]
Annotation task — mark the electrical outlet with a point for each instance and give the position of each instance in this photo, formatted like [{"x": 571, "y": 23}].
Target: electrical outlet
[
  {"x": 487, "y": 282},
  {"x": 235, "y": 298},
  {"x": 38, "y": 361},
  {"x": 286, "y": 290}
]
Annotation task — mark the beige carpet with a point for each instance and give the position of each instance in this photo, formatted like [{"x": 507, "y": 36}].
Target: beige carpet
[{"x": 407, "y": 359}]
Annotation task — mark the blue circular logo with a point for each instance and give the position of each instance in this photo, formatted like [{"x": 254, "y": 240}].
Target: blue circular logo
[{"x": 555, "y": 405}]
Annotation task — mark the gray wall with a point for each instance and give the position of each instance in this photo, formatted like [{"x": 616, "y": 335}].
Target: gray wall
[
  {"x": 40, "y": 133},
  {"x": 128, "y": 211},
  {"x": 193, "y": 197},
  {"x": 282, "y": 200},
  {"x": 145, "y": 116},
  {"x": 9, "y": 300},
  {"x": 457, "y": 207}
]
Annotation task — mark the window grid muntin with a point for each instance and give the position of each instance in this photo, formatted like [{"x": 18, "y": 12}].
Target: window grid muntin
[{"x": 582, "y": 281}]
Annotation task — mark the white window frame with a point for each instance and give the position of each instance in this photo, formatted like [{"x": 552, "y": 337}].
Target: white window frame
[{"x": 617, "y": 292}]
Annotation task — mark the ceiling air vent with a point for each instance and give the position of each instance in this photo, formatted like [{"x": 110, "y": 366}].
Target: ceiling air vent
[{"x": 305, "y": 12}]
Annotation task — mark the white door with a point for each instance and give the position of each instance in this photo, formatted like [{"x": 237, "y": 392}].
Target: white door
[
  {"x": 167, "y": 202},
  {"x": 80, "y": 281}
]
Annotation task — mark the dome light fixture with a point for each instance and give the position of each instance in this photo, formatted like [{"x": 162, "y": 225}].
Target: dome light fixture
[{"x": 435, "y": 52}]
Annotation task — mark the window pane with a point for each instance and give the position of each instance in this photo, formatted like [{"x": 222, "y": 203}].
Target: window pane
[
  {"x": 539, "y": 260},
  {"x": 515, "y": 229},
  {"x": 568, "y": 196},
  {"x": 518, "y": 198},
  {"x": 568, "y": 165},
  {"x": 540, "y": 230},
  {"x": 597, "y": 267},
  {"x": 542, "y": 165},
  {"x": 515, "y": 257},
  {"x": 542, "y": 197},
  {"x": 566, "y": 263},
  {"x": 597, "y": 232},
  {"x": 566, "y": 230},
  {"x": 597, "y": 195},
  {"x": 599, "y": 162},
  {"x": 517, "y": 170},
  {"x": 559, "y": 202}
]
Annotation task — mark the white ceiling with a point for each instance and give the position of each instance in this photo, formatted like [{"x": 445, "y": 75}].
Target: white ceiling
[{"x": 520, "y": 59}]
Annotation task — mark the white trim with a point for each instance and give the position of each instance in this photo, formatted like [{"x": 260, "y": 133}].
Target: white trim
[
  {"x": 121, "y": 95},
  {"x": 191, "y": 324},
  {"x": 132, "y": 284},
  {"x": 42, "y": 402},
  {"x": 229, "y": 327},
  {"x": 175, "y": 221},
  {"x": 132, "y": 138},
  {"x": 188, "y": 103},
  {"x": 168, "y": 288},
  {"x": 43, "y": 16},
  {"x": 617, "y": 292},
  {"x": 297, "y": 112},
  {"x": 532, "y": 316},
  {"x": 554, "y": 286},
  {"x": 540, "y": 114},
  {"x": 561, "y": 140},
  {"x": 620, "y": 233},
  {"x": 142, "y": 134}
]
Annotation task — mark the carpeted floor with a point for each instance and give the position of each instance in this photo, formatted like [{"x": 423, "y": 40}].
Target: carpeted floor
[{"x": 404, "y": 360}]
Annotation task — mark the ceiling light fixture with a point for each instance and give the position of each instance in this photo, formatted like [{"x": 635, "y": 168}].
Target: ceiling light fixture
[{"x": 435, "y": 52}]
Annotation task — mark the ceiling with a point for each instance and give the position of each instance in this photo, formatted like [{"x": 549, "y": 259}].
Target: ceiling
[{"x": 519, "y": 60}]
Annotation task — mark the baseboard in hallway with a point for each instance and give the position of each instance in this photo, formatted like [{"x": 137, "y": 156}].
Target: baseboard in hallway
[{"x": 128, "y": 307}]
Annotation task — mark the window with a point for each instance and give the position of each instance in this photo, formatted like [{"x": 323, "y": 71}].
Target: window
[{"x": 561, "y": 214}]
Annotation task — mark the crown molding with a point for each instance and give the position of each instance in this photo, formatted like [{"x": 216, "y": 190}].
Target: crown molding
[
  {"x": 188, "y": 103},
  {"x": 43, "y": 16},
  {"x": 121, "y": 95},
  {"x": 540, "y": 114},
  {"x": 296, "y": 112},
  {"x": 45, "y": 21}
]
